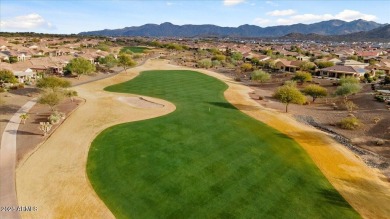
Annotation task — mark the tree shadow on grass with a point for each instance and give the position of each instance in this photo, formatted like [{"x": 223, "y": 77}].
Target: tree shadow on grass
[
  {"x": 331, "y": 196},
  {"x": 234, "y": 107}
]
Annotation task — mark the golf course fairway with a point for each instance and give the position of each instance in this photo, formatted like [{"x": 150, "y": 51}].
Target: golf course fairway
[{"x": 205, "y": 160}]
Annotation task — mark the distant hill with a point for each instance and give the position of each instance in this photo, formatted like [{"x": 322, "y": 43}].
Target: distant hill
[
  {"x": 331, "y": 27},
  {"x": 377, "y": 34}
]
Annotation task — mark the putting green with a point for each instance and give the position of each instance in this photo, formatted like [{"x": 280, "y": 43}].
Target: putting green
[{"x": 205, "y": 160}]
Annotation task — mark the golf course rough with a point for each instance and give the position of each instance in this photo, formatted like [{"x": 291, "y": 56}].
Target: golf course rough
[{"x": 205, "y": 160}]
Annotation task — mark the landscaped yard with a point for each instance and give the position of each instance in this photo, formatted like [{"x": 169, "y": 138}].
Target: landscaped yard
[{"x": 205, "y": 160}]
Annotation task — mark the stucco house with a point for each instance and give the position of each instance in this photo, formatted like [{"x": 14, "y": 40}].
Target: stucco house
[{"x": 339, "y": 71}]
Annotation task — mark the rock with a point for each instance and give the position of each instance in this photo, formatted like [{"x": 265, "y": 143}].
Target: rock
[{"x": 380, "y": 142}]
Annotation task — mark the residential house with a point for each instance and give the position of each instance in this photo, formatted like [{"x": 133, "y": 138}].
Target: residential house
[
  {"x": 353, "y": 63},
  {"x": 4, "y": 57},
  {"x": 27, "y": 75},
  {"x": 339, "y": 71},
  {"x": 366, "y": 56},
  {"x": 3, "y": 48},
  {"x": 303, "y": 58},
  {"x": 383, "y": 65},
  {"x": 288, "y": 66}
]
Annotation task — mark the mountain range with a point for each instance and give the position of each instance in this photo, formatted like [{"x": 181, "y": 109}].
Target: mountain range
[
  {"x": 331, "y": 27},
  {"x": 378, "y": 34}
]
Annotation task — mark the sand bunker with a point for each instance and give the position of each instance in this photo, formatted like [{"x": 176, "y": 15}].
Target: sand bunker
[{"x": 140, "y": 102}]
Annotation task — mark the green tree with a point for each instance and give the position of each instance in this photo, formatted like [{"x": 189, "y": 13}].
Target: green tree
[
  {"x": 269, "y": 64},
  {"x": 125, "y": 61},
  {"x": 109, "y": 61},
  {"x": 52, "y": 83},
  {"x": 237, "y": 56},
  {"x": 347, "y": 89},
  {"x": 103, "y": 47},
  {"x": 289, "y": 94},
  {"x": 325, "y": 64},
  {"x": 6, "y": 76},
  {"x": 302, "y": 76},
  {"x": 260, "y": 76},
  {"x": 387, "y": 80},
  {"x": 219, "y": 58},
  {"x": 81, "y": 66},
  {"x": 353, "y": 57},
  {"x": 373, "y": 62},
  {"x": 246, "y": 67},
  {"x": 13, "y": 59},
  {"x": 215, "y": 52},
  {"x": 307, "y": 66},
  {"x": 315, "y": 91},
  {"x": 205, "y": 63},
  {"x": 71, "y": 94},
  {"x": 51, "y": 98},
  {"x": 255, "y": 61}
]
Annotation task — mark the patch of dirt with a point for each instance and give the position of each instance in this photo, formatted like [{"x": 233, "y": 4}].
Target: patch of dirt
[{"x": 29, "y": 136}]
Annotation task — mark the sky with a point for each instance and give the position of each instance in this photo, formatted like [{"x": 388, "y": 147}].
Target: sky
[{"x": 74, "y": 16}]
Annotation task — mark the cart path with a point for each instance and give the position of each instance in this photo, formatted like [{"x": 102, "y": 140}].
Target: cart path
[{"x": 8, "y": 197}]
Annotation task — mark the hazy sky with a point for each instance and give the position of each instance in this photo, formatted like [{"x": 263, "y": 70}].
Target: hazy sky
[{"x": 71, "y": 16}]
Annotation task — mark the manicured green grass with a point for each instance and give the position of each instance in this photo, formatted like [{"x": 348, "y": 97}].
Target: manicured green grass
[
  {"x": 205, "y": 160},
  {"x": 135, "y": 49}
]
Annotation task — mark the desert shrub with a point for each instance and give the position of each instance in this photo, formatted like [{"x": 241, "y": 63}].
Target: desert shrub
[
  {"x": 290, "y": 83},
  {"x": 347, "y": 89},
  {"x": 379, "y": 72},
  {"x": 349, "y": 123},
  {"x": 205, "y": 63},
  {"x": 215, "y": 63},
  {"x": 379, "y": 98},
  {"x": 2, "y": 90},
  {"x": 350, "y": 106},
  {"x": 7, "y": 76},
  {"x": 20, "y": 86},
  {"x": 302, "y": 76},
  {"x": 260, "y": 76},
  {"x": 349, "y": 80},
  {"x": 56, "y": 117}
]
